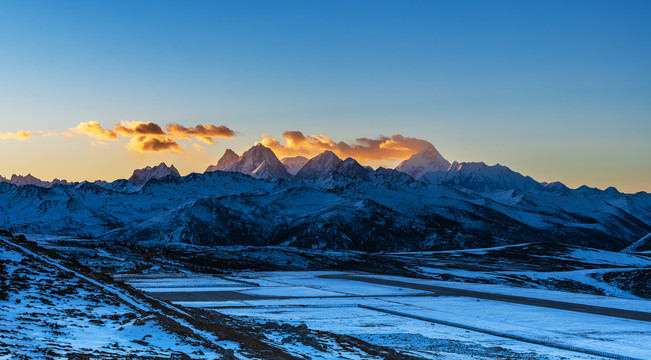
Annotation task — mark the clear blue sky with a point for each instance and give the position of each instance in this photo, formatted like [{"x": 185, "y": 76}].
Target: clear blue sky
[{"x": 559, "y": 90}]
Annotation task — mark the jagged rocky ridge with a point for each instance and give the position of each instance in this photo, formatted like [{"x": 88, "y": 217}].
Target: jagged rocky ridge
[
  {"x": 259, "y": 161},
  {"x": 30, "y": 179},
  {"x": 141, "y": 176},
  {"x": 225, "y": 161},
  {"x": 333, "y": 204}
]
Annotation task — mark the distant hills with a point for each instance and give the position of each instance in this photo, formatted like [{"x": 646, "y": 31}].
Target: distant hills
[{"x": 329, "y": 203}]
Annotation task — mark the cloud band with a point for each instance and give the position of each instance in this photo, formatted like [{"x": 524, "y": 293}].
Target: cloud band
[
  {"x": 150, "y": 137},
  {"x": 363, "y": 149}
]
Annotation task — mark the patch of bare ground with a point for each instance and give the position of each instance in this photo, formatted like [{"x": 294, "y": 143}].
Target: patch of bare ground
[{"x": 637, "y": 282}]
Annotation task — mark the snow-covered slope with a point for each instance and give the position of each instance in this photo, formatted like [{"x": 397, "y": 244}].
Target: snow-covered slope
[
  {"x": 320, "y": 166},
  {"x": 423, "y": 162},
  {"x": 351, "y": 168},
  {"x": 52, "y": 311},
  {"x": 159, "y": 171},
  {"x": 644, "y": 244},
  {"x": 201, "y": 222},
  {"x": 225, "y": 161},
  {"x": 393, "y": 177},
  {"x": 294, "y": 164},
  {"x": 557, "y": 187},
  {"x": 480, "y": 177}
]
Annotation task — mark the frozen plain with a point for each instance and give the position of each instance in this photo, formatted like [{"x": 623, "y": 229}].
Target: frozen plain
[{"x": 332, "y": 305}]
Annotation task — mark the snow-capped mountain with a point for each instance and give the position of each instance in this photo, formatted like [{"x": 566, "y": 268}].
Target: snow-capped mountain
[
  {"x": 483, "y": 178},
  {"x": 333, "y": 204},
  {"x": 421, "y": 163},
  {"x": 320, "y": 166},
  {"x": 225, "y": 161},
  {"x": 294, "y": 164},
  {"x": 259, "y": 161},
  {"x": 141, "y": 176}
]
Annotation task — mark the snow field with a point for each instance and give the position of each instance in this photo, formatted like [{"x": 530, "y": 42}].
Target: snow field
[
  {"x": 587, "y": 299},
  {"x": 341, "y": 315}
]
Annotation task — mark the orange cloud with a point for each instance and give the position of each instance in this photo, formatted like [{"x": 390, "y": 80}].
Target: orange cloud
[
  {"x": 146, "y": 143},
  {"x": 20, "y": 135},
  {"x": 133, "y": 128},
  {"x": 98, "y": 143},
  {"x": 203, "y": 133},
  {"x": 149, "y": 136},
  {"x": 145, "y": 136},
  {"x": 94, "y": 130},
  {"x": 23, "y": 135},
  {"x": 364, "y": 149}
]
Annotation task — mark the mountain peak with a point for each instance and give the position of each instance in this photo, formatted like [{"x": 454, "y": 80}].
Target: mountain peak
[
  {"x": 427, "y": 160},
  {"x": 259, "y": 161},
  {"x": 225, "y": 161},
  {"x": 556, "y": 186},
  {"x": 141, "y": 176},
  {"x": 230, "y": 152},
  {"x": 351, "y": 168},
  {"x": 320, "y": 166},
  {"x": 29, "y": 179}
]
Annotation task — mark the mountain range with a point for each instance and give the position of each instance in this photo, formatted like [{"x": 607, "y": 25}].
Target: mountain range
[{"x": 325, "y": 202}]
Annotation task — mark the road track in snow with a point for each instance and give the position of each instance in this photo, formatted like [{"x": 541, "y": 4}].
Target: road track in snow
[{"x": 522, "y": 300}]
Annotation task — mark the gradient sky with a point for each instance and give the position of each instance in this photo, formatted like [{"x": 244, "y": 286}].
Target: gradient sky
[{"x": 558, "y": 90}]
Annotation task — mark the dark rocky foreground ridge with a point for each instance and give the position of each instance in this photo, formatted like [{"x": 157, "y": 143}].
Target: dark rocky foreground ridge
[{"x": 343, "y": 206}]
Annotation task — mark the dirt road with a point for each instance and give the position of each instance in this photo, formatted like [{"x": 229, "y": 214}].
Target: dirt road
[{"x": 553, "y": 304}]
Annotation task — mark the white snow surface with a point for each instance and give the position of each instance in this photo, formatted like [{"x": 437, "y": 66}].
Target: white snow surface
[
  {"x": 423, "y": 162},
  {"x": 60, "y": 311},
  {"x": 294, "y": 164},
  {"x": 320, "y": 166},
  {"x": 340, "y": 314}
]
